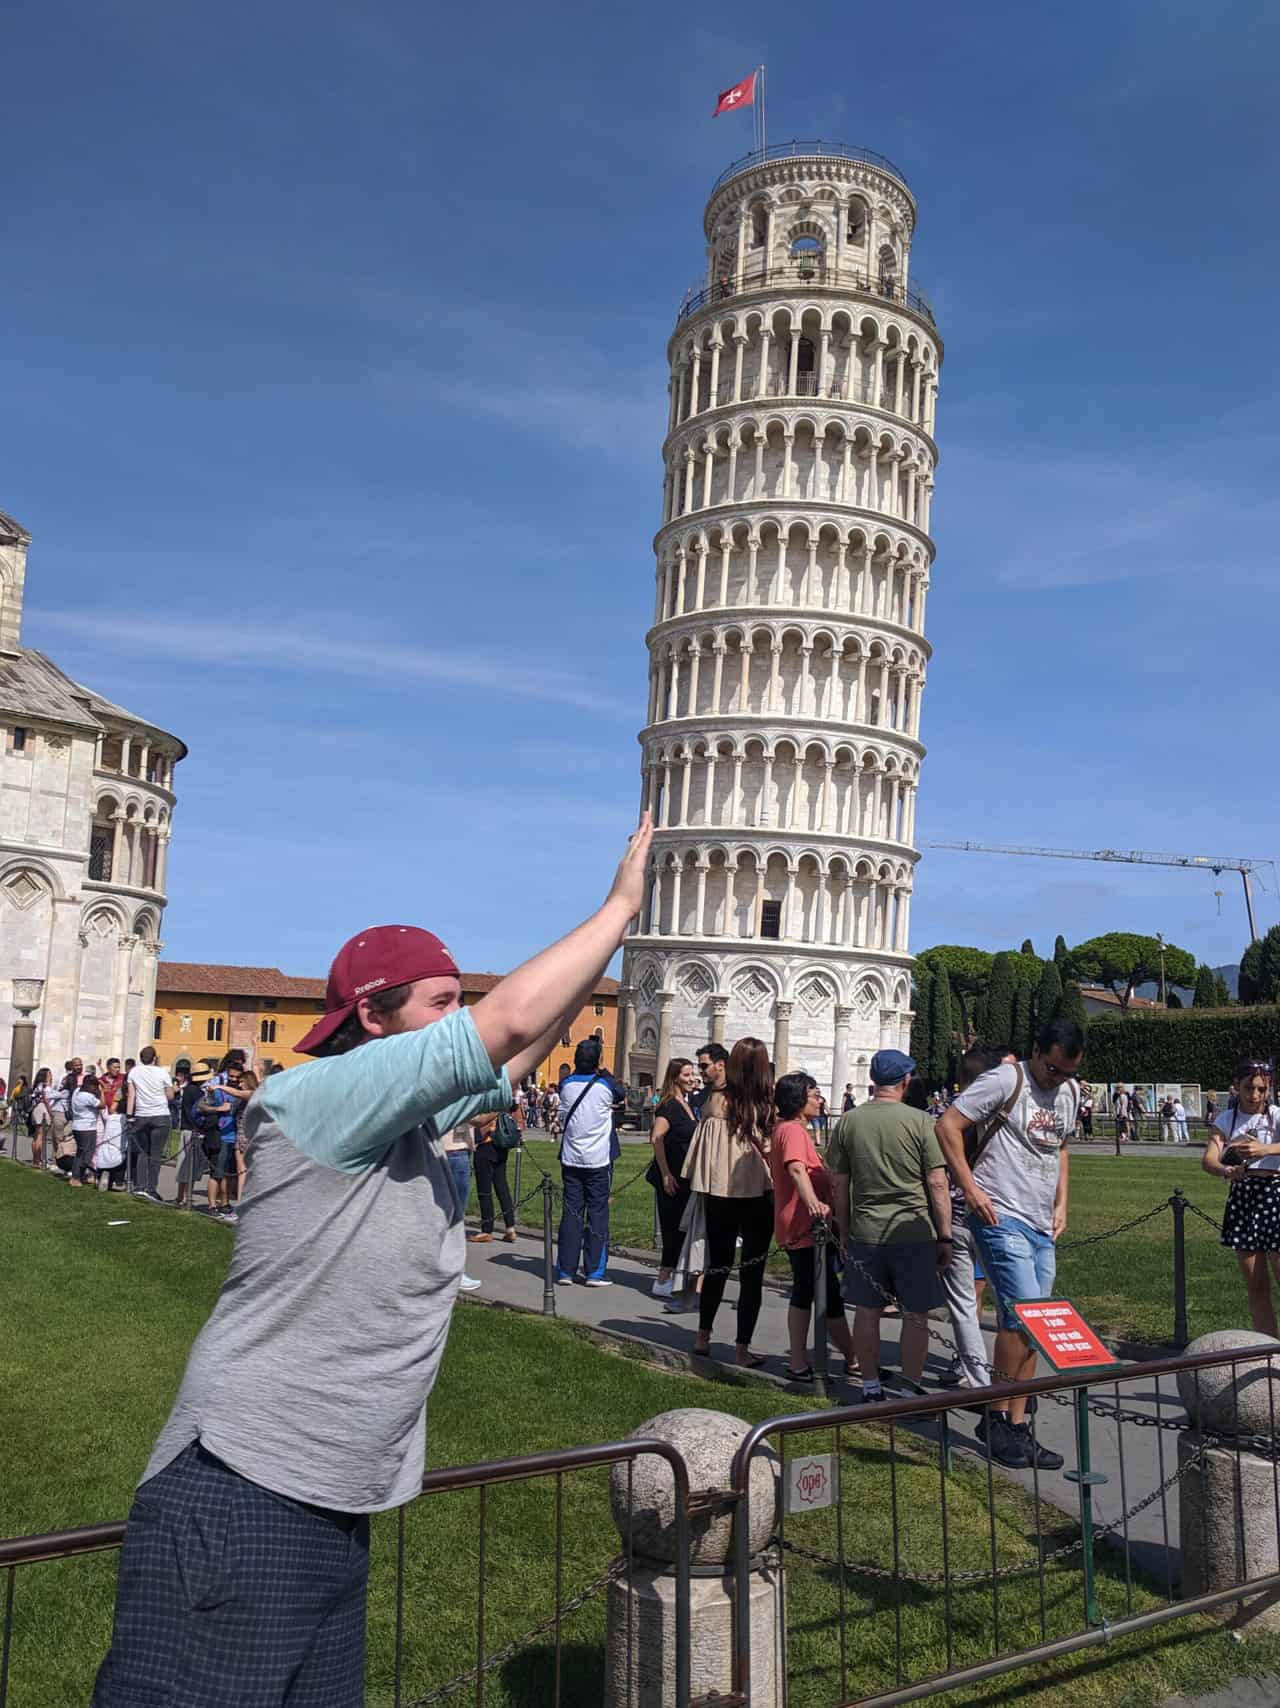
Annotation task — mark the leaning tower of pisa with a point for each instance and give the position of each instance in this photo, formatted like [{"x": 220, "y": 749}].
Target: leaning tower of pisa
[{"x": 781, "y": 751}]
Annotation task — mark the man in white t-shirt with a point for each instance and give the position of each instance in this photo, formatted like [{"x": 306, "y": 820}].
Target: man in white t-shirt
[
  {"x": 148, "y": 1094},
  {"x": 591, "y": 1101},
  {"x": 1013, "y": 1173},
  {"x": 1180, "y": 1134}
]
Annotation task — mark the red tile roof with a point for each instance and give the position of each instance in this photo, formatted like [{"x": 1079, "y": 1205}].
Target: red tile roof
[
  {"x": 206, "y": 978},
  {"x": 202, "y": 978}
]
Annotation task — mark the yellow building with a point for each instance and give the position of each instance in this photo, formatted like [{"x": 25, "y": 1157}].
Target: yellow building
[{"x": 204, "y": 1010}]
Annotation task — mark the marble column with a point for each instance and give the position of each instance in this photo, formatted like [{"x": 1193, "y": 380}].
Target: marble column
[
  {"x": 781, "y": 1038},
  {"x": 840, "y": 1057},
  {"x": 719, "y": 1017},
  {"x": 666, "y": 999}
]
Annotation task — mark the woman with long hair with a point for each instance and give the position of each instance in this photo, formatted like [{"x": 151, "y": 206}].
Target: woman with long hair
[
  {"x": 1244, "y": 1148},
  {"x": 673, "y": 1127},
  {"x": 728, "y": 1163},
  {"x": 38, "y": 1118},
  {"x": 802, "y": 1192}
]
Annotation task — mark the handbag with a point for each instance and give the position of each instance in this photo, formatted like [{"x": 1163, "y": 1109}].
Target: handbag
[{"x": 506, "y": 1135}]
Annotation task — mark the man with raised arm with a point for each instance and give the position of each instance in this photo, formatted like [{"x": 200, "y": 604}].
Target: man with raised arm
[{"x": 245, "y": 1563}]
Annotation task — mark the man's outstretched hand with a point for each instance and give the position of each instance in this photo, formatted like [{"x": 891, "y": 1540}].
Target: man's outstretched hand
[{"x": 629, "y": 880}]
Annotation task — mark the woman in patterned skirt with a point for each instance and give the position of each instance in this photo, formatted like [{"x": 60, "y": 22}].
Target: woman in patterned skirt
[{"x": 1244, "y": 1148}]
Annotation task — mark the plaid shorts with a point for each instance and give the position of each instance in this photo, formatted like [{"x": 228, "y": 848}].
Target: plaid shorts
[{"x": 229, "y": 1596}]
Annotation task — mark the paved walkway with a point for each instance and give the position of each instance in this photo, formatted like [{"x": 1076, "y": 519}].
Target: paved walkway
[{"x": 1131, "y": 1460}]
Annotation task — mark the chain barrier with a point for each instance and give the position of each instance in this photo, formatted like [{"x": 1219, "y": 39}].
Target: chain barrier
[
  {"x": 1197, "y": 1211},
  {"x": 513, "y": 1648},
  {"x": 1110, "y": 1233}
]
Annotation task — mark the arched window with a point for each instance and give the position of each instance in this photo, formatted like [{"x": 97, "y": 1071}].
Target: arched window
[
  {"x": 857, "y": 228},
  {"x": 888, "y": 270},
  {"x": 267, "y": 1032},
  {"x": 759, "y": 225}
]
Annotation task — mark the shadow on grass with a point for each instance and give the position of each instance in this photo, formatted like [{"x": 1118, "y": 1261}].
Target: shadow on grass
[{"x": 531, "y": 1676}]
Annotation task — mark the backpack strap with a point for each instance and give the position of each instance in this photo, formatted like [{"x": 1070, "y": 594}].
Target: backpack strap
[
  {"x": 979, "y": 1139},
  {"x": 573, "y": 1109}
]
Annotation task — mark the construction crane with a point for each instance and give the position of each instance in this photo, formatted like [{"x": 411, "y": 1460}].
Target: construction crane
[{"x": 1214, "y": 863}]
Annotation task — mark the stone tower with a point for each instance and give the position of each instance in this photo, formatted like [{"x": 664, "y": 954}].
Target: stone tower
[{"x": 781, "y": 750}]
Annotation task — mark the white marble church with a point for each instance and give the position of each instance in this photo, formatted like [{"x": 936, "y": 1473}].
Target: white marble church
[{"x": 86, "y": 803}]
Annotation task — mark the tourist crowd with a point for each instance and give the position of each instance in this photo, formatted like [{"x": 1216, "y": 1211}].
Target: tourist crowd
[{"x": 113, "y": 1124}]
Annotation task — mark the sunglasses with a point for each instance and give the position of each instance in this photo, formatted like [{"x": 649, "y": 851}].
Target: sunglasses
[
  {"x": 1259, "y": 1067},
  {"x": 1059, "y": 1072}
]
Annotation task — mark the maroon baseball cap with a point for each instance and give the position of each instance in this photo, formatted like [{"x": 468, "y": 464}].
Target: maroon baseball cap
[{"x": 376, "y": 959}]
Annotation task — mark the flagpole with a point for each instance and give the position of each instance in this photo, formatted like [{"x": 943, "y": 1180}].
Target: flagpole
[{"x": 763, "y": 149}]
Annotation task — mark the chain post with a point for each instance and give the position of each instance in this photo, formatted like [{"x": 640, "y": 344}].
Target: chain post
[
  {"x": 1178, "y": 1205},
  {"x": 821, "y": 1234},
  {"x": 519, "y": 1165},
  {"x": 548, "y": 1272},
  {"x": 1086, "y": 1479}
]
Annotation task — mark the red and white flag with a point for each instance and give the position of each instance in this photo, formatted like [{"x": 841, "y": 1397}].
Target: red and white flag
[{"x": 741, "y": 95}]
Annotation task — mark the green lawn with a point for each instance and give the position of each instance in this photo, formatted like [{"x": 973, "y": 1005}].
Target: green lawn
[
  {"x": 98, "y": 1322},
  {"x": 1124, "y": 1286}
]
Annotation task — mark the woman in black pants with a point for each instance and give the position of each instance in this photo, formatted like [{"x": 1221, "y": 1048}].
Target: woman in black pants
[
  {"x": 673, "y": 1124},
  {"x": 728, "y": 1163},
  {"x": 490, "y": 1160}
]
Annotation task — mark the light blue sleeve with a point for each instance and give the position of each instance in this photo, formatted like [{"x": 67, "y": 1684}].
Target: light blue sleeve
[{"x": 344, "y": 1111}]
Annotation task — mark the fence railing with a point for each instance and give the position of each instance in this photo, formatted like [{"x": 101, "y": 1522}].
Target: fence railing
[
  {"x": 1077, "y": 1597},
  {"x": 793, "y": 149},
  {"x": 542, "y": 1642}
]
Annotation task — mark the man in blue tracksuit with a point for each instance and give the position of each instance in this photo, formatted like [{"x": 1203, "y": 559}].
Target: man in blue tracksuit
[{"x": 590, "y": 1104}]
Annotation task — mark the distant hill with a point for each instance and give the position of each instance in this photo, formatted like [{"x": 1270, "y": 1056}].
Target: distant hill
[{"x": 1230, "y": 977}]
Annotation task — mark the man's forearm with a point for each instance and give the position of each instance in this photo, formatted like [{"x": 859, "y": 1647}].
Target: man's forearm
[
  {"x": 1064, "y": 1181},
  {"x": 531, "y": 1003},
  {"x": 951, "y": 1137}
]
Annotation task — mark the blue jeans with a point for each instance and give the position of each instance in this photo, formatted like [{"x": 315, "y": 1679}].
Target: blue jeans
[
  {"x": 1020, "y": 1262},
  {"x": 586, "y": 1192},
  {"x": 460, "y": 1168}
]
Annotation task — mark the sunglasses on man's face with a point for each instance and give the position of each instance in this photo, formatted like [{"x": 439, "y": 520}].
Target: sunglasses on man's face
[{"x": 1060, "y": 1072}]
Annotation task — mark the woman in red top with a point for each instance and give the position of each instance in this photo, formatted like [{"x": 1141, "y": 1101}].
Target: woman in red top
[{"x": 801, "y": 1192}]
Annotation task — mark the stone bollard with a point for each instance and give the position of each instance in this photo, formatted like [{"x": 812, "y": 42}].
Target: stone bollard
[
  {"x": 1227, "y": 1509},
  {"x": 640, "y": 1668}
]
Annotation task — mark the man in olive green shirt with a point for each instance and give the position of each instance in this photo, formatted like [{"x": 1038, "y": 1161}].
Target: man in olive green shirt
[{"x": 893, "y": 1211}]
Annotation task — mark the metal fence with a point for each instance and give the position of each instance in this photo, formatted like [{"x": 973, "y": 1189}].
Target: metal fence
[
  {"x": 903, "y": 1599},
  {"x": 496, "y": 1581}
]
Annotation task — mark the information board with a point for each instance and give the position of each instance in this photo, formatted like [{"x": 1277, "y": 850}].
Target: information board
[{"x": 1056, "y": 1328}]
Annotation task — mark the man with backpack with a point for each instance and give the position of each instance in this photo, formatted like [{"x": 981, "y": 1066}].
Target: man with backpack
[
  {"x": 592, "y": 1102},
  {"x": 1005, "y": 1140}
]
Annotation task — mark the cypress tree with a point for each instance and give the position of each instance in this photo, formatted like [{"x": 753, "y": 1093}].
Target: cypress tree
[
  {"x": 922, "y": 1025},
  {"x": 941, "y": 1044},
  {"x": 1072, "y": 1006},
  {"x": 1059, "y": 951},
  {"x": 1028, "y": 947},
  {"x": 1049, "y": 995},
  {"x": 1221, "y": 995},
  {"x": 997, "y": 1021},
  {"x": 1205, "y": 995},
  {"x": 1023, "y": 1019}
]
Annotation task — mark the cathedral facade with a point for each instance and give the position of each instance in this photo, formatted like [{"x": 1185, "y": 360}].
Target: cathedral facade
[{"x": 86, "y": 808}]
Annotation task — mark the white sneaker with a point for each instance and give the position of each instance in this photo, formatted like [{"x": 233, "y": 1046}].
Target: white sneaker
[
  {"x": 469, "y": 1283},
  {"x": 598, "y": 1281},
  {"x": 662, "y": 1289}
]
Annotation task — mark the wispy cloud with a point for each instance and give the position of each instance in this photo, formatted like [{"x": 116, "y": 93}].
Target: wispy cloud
[{"x": 373, "y": 660}]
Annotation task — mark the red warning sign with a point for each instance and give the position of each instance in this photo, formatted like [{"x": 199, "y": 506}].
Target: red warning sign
[{"x": 1057, "y": 1329}]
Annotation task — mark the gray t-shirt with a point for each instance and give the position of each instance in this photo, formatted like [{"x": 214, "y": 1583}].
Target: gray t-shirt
[
  {"x": 312, "y": 1375},
  {"x": 1018, "y": 1168}
]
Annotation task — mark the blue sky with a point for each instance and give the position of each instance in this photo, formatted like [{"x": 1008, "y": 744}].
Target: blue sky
[{"x": 334, "y": 387}]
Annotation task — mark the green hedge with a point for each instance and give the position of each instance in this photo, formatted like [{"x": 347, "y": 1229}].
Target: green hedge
[{"x": 1194, "y": 1046}]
